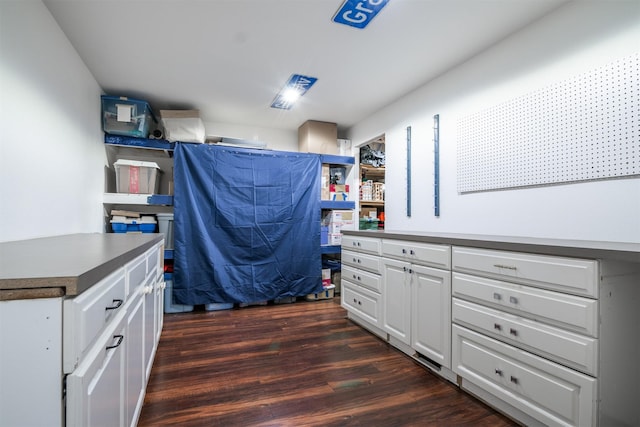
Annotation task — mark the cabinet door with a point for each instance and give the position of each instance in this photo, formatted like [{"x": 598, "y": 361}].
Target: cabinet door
[
  {"x": 431, "y": 314},
  {"x": 135, "y": 379},
  {"x": 396, "y": 312},
  {"x": 94, "y": 389},
  {"x": 149, "y": 324},
  {"x": 159, "y": 300}
]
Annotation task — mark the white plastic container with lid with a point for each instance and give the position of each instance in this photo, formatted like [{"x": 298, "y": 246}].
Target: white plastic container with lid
[{"x": 137, "y": 177}]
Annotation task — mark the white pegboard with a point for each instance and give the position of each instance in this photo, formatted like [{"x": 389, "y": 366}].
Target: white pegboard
[{"x": 585, "y": 128}]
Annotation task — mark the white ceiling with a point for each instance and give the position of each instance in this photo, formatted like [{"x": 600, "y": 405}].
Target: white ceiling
[{"x": 228, "y": 58}]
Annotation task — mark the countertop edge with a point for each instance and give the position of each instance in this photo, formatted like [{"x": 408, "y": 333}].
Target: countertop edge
[
  {"x": 25, "y": 279},
  {"x": 625, "y": 252}
]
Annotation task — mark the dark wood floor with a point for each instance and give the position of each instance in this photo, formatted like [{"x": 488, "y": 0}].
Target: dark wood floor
[{"x": 300, "y": 364}]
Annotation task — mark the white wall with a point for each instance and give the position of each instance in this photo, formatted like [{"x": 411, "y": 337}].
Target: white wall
[
  {"x": 52, "y": 154},
  {"x": 575, "y": 39},
  {"x": 276, "y": 139}
]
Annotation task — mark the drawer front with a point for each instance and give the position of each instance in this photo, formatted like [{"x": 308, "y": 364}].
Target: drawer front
[
  {"x": 94, "y": 389},
  {"x": 551, "y": 393},
  {"x": 567, "y": 348},
  {"x": 86, "y": 315},
  {"x": 361, "y": 301},
  {"x": 369, "y": 245},
  {"x": 574, "y": 276},
  {"x": 362, "y": 261},
  {"x": 578, "y": 314},
  {"x": 362, "y": 278},
  {"x": 136, "y": 272},
  {"x": 438, "y": 256}
]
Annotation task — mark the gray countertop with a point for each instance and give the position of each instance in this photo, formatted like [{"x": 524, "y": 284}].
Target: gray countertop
[
  {"x": 619, "y": 251},
  {"x": 65, "y": 265}
]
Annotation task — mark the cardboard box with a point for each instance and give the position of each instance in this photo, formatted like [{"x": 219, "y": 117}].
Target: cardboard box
[
  {"x": 338, "y": 192},
  {"x": 318, "y": 137},
  {"x": 183, "y": 126}
]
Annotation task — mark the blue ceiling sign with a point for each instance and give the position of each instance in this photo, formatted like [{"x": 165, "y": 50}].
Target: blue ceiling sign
[
  {"x": 358, "y": 13},
  {"x": 296, "y": 86}
]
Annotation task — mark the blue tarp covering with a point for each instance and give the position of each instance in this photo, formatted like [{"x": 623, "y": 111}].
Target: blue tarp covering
[{"x": 246, "y": 224}]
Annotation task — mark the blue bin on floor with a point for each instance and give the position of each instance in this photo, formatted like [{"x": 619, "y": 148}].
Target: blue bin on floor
[{"x": 169, "y": 305}]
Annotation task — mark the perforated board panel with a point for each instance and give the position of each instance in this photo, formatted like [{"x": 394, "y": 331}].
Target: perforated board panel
[{"x": 585, "y": 128}]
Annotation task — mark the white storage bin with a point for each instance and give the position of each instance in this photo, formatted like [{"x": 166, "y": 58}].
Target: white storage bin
[
  {"x": 136, "y": 177},
  {"x": 165, "y": 226}
]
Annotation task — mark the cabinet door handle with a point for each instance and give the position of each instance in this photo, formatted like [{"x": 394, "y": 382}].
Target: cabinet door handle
[
  {"x": 412, "y": 252},
  {"x": 410, "y": 271},
  {"x": 498, "y": 372},
  {"x": 119, "y": 338},
  {"x": 508, "y": 267},
  {"x": 513, "y": 300},
  {"x": 513, "y": 379},
  {"x": 497, "y": 327},
  {"x": 116, "y": 303},
  {"x": 497, "y": 296},
  {"x": 513, "y": 332},
  {"x": 359, "y": 302},
  {"x": 404, "y": 251}
]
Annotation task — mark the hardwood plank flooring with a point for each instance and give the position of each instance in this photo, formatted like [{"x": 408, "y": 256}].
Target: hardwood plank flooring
[{"x": 300, "y": 364}]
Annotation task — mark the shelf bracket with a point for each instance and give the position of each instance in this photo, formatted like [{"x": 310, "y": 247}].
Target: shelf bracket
[
  {"x": 436, "y": 165},
  {"x": 409, "y": 171}
]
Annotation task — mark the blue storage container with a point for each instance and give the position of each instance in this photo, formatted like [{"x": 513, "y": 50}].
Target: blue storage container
[
  {"x": 126, "y": 116},
  {"x": 145, "y": 224}
]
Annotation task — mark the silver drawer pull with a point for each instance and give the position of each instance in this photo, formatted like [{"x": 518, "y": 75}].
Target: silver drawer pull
[
  {"x": 513, "y": 332},
  {"x": 497, "y": 296},
  {"x": 497, "y": 327},
  {"x": 116, "y": 303},
  {"x": 513, "y": 379},
  {"x": 513, "y": 300},
  {"x": 498, "y": 372},
  {"x": 508, "y": 267},
  {"x": 119, "y": 338}
]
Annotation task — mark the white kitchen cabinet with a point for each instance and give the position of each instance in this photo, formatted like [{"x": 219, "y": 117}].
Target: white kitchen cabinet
[
  {"x": 135, "y": 357},
  {"x": 396, "y": 313},
  {"x": 549, "y": 393},
  {"x": 417, "y": 304},
  {"x": 362, "y": 282},
  {"x": 83, "y": 357},
  {"x": 547, "y": 327},
  {"x": 95, "y": 387},
  {"x": 431, "y": 314},
  {"x": 544, "y": 330}
]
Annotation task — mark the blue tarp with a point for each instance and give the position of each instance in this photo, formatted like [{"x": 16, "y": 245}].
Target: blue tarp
[{"x": 246, "y": 224}]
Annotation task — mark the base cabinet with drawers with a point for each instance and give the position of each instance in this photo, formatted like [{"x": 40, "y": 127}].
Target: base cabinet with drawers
[
  {"x": 88, "y": 361},
  {"x": 361, "y": 282},
  {"x": 531, "y": 332},
  {"x": 546, "y": 332},
  {"x": 401, "y": 291}
]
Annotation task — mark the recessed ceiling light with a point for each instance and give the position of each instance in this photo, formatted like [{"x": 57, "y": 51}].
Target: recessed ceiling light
[{"x": 294, "y": 88}]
